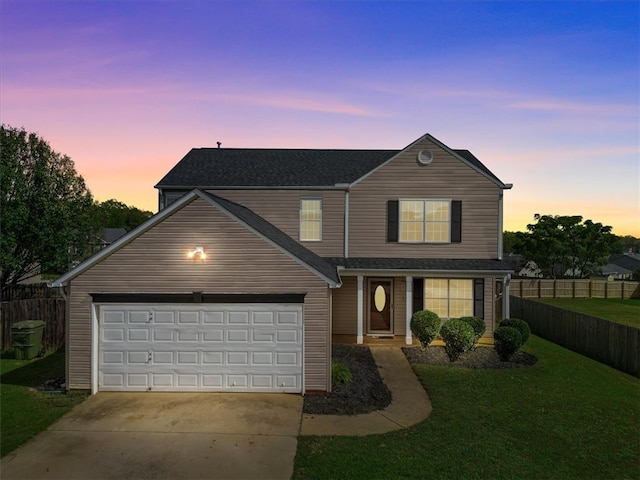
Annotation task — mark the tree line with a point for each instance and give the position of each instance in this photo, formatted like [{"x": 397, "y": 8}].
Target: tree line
[
  {"x": 567, "y": 246},
  {"x": 50, "y": 220}
]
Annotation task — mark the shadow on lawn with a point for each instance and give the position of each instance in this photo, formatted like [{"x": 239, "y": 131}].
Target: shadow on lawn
[{"x": 34, "y": 372}]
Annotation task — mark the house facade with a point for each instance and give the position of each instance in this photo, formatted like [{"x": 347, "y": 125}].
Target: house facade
[{"x": 259, "y": 258}]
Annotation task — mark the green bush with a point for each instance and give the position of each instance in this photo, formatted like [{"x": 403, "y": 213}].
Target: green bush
[
  {"x": 479, "y": 327},
  {"x": 425, "y": 325},
  {"x": 340, "y": 373},
  {"x": 458, "y": 337},
  {"x": 520, "y": 325},
  {"x": 507, "y": 341}
]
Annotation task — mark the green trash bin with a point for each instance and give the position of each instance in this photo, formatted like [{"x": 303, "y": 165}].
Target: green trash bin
[{"x": 26, "y": 338}]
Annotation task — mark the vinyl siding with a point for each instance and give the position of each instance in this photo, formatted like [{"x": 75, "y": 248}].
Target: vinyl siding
[
  {"x": 282, "y": 209},
  {"x": 345, "y": 307},
  {"x": 238, "y": 261},
  {"x": 445, "y": 178}
]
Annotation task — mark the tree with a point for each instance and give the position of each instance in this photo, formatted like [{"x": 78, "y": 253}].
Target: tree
[
  {"x": 565, "y": 246},
  {"x": 114, "y": 214},
  {"x": 46, "y": 206}
]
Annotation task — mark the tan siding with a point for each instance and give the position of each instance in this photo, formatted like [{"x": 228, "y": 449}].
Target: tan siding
[
  {"x": 399, "y": 306},
  {"x": 446, "y": 177},
  {"x": 489, "y": 306},
  {"x": 282, "y": 208},
  {"x": 345, "y": 307},
  {"x": 237, "y": 262}
]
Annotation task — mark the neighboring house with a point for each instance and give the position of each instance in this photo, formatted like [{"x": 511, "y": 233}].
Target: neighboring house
[
  {"x": 621, "y": 266},
  {"x": 259, "y": 258},
  {"x": 110, "y": 235}
]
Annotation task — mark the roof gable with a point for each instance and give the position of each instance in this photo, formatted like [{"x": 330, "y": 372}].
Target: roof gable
[{"x": 250, "y": 220}]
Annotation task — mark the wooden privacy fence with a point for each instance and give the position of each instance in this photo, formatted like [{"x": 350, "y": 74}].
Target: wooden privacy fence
[
  {"x": 572, "y": 288},
  {"x": 607, "y": 342},
  {"x": 50, "y": 310}
]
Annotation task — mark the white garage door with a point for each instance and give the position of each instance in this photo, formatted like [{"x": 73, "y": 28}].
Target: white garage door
[{"x": 201, "y": 347}]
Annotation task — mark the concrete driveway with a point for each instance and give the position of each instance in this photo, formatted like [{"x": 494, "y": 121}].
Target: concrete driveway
[{"x": 165, "y": 435}]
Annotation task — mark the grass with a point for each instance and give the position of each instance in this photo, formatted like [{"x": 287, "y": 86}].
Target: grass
[
  {"x": 23, "y": 411},
  {"x": 566, "y": 417},
  {"x": 625, "y": 311}
]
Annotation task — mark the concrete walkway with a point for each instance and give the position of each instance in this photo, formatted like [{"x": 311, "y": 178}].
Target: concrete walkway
[{"x": 409, "y": 405}]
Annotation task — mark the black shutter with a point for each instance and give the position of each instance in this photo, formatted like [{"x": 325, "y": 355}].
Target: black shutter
[
  {"x": 418, "y": 294},
  {"x": 478, "y": 297},
  {"x": 456, "y": 221},
  {"x": 392, "y": 221}
]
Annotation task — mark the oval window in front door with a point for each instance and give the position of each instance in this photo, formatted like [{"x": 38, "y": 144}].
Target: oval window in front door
[{"x": 380, "y": 298}]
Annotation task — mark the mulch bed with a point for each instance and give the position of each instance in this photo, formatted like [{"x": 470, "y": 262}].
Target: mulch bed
[
  {"x": 481, "y": 357},
  {"x": 366, "y": 393}
]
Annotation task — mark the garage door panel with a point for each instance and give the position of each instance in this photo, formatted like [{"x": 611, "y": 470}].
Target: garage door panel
[
  {"x": 187, "y": 336},
  {"x": 113, "y": 334},
  {"x": 264, "y": 318},
  {"x": 138, "y": 335},
  {"x": 139, "y": 317},
  {"x": 213, "y": 335},
  {"x": 201, "y": 348},
  {"x": 235, "y": 335},
  {"x": 188, "y": 358},
  {"x": 188, "y": 318},
  {"x": 164, "y": 317}
]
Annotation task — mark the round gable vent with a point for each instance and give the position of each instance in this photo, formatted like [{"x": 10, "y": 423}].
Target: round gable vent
[{"x": 425, "y": 157}]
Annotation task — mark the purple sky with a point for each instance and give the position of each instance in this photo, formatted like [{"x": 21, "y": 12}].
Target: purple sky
[{"x": 546, "y": 94}]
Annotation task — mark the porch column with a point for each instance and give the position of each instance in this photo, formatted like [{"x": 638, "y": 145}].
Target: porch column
[
  {"x": 505, "y": 297},
  {"x": 360, "y": 337},
  {"x": 409, "y": 302}
]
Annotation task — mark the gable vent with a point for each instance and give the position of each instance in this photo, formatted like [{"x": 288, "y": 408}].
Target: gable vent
[{"x": 425, "y": 157}]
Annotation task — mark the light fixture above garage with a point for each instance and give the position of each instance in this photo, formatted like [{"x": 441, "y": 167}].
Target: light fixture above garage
[{"x": 197, "y": 253}]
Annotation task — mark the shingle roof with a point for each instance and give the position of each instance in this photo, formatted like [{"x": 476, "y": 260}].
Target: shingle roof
[
  {"x": 629, "y": 261},
  {"x": 277, "y": 236},
  {"x": 267, "y": 167},
  {"x": 439, "y": 264},
  {"x": 249, "y": 167}
]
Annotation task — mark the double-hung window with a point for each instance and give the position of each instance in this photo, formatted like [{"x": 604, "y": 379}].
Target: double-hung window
[
  {"x": 425, "y": 221},
  {"x": 310, "y": 219},
  {"x": 449, "y": 298}
]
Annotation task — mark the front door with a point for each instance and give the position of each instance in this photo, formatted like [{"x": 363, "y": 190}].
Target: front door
[{"x": 380, "y": 308}]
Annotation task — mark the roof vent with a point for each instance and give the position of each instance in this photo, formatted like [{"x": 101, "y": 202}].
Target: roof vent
[
  {"x": 425, "y": 157},
  {"x": 219, "y": 144}
]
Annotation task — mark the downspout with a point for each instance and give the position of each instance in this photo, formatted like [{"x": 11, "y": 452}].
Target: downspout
[
  {"x": 500, "y": 222},
  {"x": 346, "y": 224}
]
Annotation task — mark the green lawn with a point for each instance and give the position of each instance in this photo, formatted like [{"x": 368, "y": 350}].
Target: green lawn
[
  {"x": 614, "y": 309},
  {"x": 23, "y": 411},
  {"x": 566, "y": 417}
]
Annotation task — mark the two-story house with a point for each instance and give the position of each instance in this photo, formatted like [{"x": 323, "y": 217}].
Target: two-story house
[{"x": 260, "y": 258}]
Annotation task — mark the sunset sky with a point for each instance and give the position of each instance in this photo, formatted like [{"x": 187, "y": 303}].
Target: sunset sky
[{"x": 546, "y": 94}]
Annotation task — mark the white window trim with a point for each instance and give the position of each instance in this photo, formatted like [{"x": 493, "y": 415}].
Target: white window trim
[
  {"x": 424, "y": 220},
  {"x": 448, "y": 317},
  {"x": 302, "y": 199}
]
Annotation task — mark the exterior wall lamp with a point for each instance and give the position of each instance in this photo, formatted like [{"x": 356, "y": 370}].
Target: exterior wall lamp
[{"x": 197, "y": 254}]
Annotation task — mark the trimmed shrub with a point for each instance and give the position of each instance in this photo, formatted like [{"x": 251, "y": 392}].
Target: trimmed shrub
[
  {"x": 458, "y": 337},
  {"x": 479, "y": 327},
  {"x": 340, "y": 373},
  {"x": 520, "y": 325},
  {"x": 507, "y": 341},
  {"x": 425, "y": 325}
]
